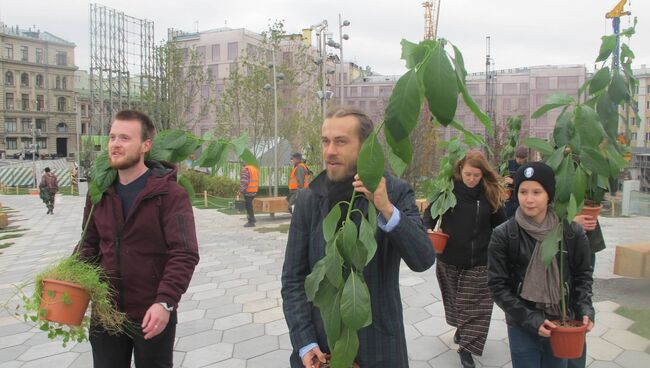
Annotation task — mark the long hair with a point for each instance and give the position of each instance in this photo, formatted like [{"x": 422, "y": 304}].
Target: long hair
[{"x": 491, "y": 181}]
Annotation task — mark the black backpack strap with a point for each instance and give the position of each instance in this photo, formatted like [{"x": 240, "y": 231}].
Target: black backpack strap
[{"x": 513, "y": 236}]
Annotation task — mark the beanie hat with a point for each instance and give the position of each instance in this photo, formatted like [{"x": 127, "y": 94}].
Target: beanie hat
[{"x": 539, "y": 172}]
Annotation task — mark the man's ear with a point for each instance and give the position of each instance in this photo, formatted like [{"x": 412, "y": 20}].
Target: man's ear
[{"x": 147, "y": 145}]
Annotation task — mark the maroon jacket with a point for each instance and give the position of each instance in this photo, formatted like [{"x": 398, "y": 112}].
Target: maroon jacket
[{"x": 150, "y": 256}]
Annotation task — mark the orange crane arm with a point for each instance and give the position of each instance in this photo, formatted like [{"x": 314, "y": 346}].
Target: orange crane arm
[{"x": 618, "y": 11}]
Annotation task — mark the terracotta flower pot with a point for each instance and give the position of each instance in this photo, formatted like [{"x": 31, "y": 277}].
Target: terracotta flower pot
[
  {"x": 438, "y": 241},
  {"x": 592, "y": 211},
  {"x": 64, "y": 302},
  {"x": 567, "y": 342}
]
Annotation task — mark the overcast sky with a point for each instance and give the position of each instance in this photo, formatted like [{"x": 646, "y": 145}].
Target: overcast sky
[{"x": 523, "y": 32}]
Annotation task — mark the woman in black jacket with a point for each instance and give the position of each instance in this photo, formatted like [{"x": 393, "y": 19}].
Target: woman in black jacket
[
  {"x": 528, "y": 292},
  {"x": 461, "y": 269}
]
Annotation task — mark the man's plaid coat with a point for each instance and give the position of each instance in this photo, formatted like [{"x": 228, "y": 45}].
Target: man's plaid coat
[{"x": 382, "y": 344}]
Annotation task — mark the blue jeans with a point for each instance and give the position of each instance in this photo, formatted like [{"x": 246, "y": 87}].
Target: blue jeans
[{"x": 531, "y": 351}]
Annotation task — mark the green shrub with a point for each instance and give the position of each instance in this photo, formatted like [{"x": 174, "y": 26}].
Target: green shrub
[{"x": 218, "y": 186}]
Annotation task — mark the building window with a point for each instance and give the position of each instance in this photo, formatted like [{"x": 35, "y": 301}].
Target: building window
[
  {"x": 213, "y": 71},
  {"x": 9, "y": 51},
  {"x": 61, "y": 128},
  {"x": 24, "y": 53},
  {"x": 11, "y": 125},
  {"x": 24, "y": 101},
  {"x": 510, "y": 88},
  {"x": 216, "y": 53},
  {"x": 24, "y": 80},
  {"x": 42, "y": 143},
  {"x": 567, "y": 82},
  {"x": 542, "y": 83},
  {"x": 40, "y": 102},
  {"x": 648, "y": 89},
  {"x": 40, "y": 125},
  {"x": 58, "y": 82},
  {"x": 200, "y": 53},
  {"x": 26, "y": 125},
  {"x": 64, "y": 83},
  {"x": 366, "y": 91},
  {"x": 523, "y": 103},
  {"x": 233, "y": 50},
  {"x": 39, "y": 56},
  {"x": 647, "y": 137},
  {"x": 26, "y": 142},
  {"x": 83, "y": 110},
  {"x": 647, "y": 105},
  {"x": 60, "y": 104},
  {"x": 9, "y": 101},
  {"x": 61, "y": 58},
  {"x": 9, "y": 78},
  {"x": 39, "y": 81},
  {"x": 12, "y": 143}
]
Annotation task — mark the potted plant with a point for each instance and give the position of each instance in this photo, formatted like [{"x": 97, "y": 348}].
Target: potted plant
[
  {"x": 62, "y": 291},
  {"x": 336, "y": 285},
  {"x": 586, "y": 156}
]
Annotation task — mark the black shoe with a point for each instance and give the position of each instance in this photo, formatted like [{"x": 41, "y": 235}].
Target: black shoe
[
  {"x": 466, "y": 359},
  {"x": 457, "y": 337},
  {"x": 249, "y": 224}
]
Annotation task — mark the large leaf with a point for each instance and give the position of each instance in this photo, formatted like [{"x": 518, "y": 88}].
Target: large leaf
[
  {"x": 606, "y": 47},
  {"x": 588, "y": 126},
  {"x": 606, "y": 110},
  {"x": 626, "y": 52},
  {"x": 183, "y": 152},
  {"x": 550, "y": 244},
  {"x": 618, "y": 88},
  {"x": 345, "y": 349},
  {"x": 553, "y": 101},
  {"x": 563, "y": 180},
  {"x": 334, "y": 268},
  {"x": 600, "y": 80},
  {"x": 367, "y": 238},
  {"x": 572, "y": 209},
  {"x": 211, "y": 155},
  {"x": 330, "y": 223},
  {"x": 404, "y": 106},
  {"x": 313, "y": 280},
  {"x": 239, "y": 144},
  {"x": 329, "y": 303},
  {"x": 249, "y": 158},
  {"x": 563, "y": 131},
  {"x": 400, "y": 153},
  {"x": 353, "y": 253},
  {"x": 470, "y": 139},
  {"x": 539, "y": 144},
  {"x": 103, "y": 177},
  {"x": 412, "y": 53},
  {"x": 579, "y": 185},
  {"x": 467, "y": 98},
  {"x": 355, "y": 302},
  {"x": 595, "y": 162},
  {"x": 440, "y": 86},
  {"x": 370, "y": 164},
  {"x": 459, "y": 65},
  {"x": 556, "y": 158}
]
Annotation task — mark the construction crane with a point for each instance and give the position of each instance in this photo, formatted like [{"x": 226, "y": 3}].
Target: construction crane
[
  {"x": 431, "y": 14},
  {"x": 615, "y": 15}
]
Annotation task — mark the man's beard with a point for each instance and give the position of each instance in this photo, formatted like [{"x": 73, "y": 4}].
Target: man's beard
[
  {"x": 341, "y": 176},
  {"x": 126, "y": 162}
]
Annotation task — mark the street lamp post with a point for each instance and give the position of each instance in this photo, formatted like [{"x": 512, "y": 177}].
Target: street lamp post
[
  {"x": 320, "y": 29},
  {"x": 342, "y": 37},
  {"x": 276, "y": 77}
]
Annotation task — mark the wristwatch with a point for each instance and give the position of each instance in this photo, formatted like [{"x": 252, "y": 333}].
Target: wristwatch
[{"x": 166, "y": 306}]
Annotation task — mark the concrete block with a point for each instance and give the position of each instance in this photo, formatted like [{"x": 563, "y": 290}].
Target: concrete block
[
  {"x": 4, "y": 220},
  {"x": 632, "y": 260}
]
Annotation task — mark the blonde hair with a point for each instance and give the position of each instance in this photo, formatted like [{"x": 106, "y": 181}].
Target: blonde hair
[{"x": 491, "y": 180}]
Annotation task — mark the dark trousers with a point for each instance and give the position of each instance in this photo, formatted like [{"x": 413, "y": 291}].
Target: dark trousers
[
  {"x": 582, "y": 361},
  {"x": 248, "y": 202},
  {"x": 114, "y": 351},
  {"x": 531, "y": 351}
]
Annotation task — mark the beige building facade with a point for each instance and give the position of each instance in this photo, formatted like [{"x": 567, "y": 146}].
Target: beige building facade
[{"x": 37, "y": 106}]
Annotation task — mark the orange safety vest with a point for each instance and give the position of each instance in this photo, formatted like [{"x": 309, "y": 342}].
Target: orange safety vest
[
  {"x": 253, "y": 181},
  {"x": 293, "y": 180}
]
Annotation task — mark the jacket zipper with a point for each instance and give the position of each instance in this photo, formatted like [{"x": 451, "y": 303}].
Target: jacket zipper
[
  {"x": 118, "y": 261},
  {"x": 478, "y": 207}
]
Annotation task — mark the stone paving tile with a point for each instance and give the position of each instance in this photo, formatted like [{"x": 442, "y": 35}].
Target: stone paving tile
[
  {"x": 606, "y": 306},
  {"x": 249, "y": 297},
  {"x": 633, "y": 359},
  {"x": 613, "y": 320},
  {"x": 233, "y": 320},
  {"x": 498, "y": 330},
  {"x": 44, "y": 350},
  {"x": 274, "y": 359},
  {"x": 425, "y": 348},
  {"x": 499, "y": 354},
  {"x": 207, "y": 355},
  {"x": 415, "y": 314},
  {"x": 268, "y": 315},
  {"x": 230, "y": 363},
  {"x": 243, "y": 333},
  {"x": 256, "y": 347},
  {"x": 276, "y": 328},
  {"x": 9, "y": 354},
  {"x": 192, "y": 327},
  {"x": 410, "y": 281},
  {"x": 59, "y": 360},
  {"x": 601, "y": 364},
  {"x": 84, "y": 360},
  {"x": 600, "y": 349},
  {"x": 13, "y": 340},
  {"x": 191, "y": 315},
  {"x": 434, "y": 326},
  {"x": 259, "y": 305},
  {"x": 198, "y": 340},
  {"x": 224, "y": 311},
  {"x": 627, "y": 340}
]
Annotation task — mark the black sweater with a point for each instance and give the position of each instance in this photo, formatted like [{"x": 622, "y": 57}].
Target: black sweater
[{"x": 469, "y": 225}]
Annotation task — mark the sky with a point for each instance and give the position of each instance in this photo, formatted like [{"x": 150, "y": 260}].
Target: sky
[{"x": 522, "y": 32}]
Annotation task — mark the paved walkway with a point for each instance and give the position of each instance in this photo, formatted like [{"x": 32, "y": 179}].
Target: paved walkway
[{"x": 232, "y": 317}]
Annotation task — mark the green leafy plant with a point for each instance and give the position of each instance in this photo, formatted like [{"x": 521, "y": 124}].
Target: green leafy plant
[
  {"x": 508, "y": 151},
  {"x": 584, "y": 150},
  {"x": 336, "y": 284}
]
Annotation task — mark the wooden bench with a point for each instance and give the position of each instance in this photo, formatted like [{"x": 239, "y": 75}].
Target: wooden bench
[{"x": 271, "y": 205}]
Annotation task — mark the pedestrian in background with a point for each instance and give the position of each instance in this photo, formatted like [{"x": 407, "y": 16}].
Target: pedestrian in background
[
  {"x": 521, "y": 156},
  {"x": 298, "y": 179},
  {"x": 248, "y": 187},
  {"x": 462, "y": 267},
  {"x": 48, "y": 187}
]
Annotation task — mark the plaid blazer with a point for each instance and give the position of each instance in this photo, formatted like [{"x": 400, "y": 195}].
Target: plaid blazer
[{"x": 382, "y": 344}]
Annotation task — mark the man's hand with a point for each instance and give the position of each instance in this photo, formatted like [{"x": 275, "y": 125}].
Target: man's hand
[
  {"x": 588, "y": 322},
  {"x": 154, "y": 321},
  {"x": 587, "y": 222},
  {"x": 546, "y": 328},
  {"x": 379, "y": 197},
  {"x": 314, "y": 358}
]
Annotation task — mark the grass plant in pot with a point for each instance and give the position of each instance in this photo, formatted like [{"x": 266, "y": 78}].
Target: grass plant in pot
[
  {"x": 68, "y": 285},
  {"x": 336, "y": 284},
  {"x": 587, "y": 158}
]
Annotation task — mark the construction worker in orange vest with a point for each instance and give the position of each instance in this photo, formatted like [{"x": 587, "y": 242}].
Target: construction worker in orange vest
[
  {"x": 248, "y": 185},
  {"x": 298, "y": 179}
]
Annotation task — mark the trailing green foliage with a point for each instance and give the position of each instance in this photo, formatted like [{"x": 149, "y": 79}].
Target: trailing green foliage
[{"x": 508, "y": 151}]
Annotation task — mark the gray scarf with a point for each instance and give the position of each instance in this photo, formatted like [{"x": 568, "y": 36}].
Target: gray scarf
[{"x": 541, "y": 285}]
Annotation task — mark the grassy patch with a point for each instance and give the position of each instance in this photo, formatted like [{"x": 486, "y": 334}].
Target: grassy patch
[
  {"x": 641, "y": 320},
  {"x": 25, "y": 190},
  {"x": 10, "y": 236},
  {"x": 283, "y": 228},
  {"x": 5, "y": 245},
  {"x": 11, "y": 229}
]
